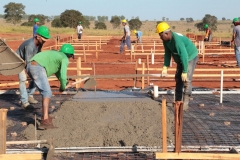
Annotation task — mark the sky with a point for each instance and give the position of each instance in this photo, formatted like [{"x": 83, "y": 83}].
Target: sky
[{"x": 144, "y": 9}]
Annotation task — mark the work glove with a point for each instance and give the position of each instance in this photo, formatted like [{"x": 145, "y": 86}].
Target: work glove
[
  {"x": 184, "y": 77},
  {"x": 164, "y": 71}
]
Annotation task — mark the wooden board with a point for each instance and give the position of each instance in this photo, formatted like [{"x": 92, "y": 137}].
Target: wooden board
[
  {"x": 20, "y": 156},
  {"x": 197, "y": 156}
]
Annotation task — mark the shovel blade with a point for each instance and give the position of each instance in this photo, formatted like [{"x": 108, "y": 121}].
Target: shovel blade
[{"x": 91, "y": 82}]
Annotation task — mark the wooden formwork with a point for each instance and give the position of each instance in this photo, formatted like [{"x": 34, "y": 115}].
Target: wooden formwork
[
  {"x": 78, "y": 69},
  {"x": 145, "y": 67}
]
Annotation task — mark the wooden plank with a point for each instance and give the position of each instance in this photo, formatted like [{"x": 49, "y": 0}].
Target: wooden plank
[
  {"x": 20, "y": 156},
  {"x": 207, "y": 156},
  {"x": 143, "y": 70},
  {"x": 3, "y": 130},
  {"x": 197, "y": 69},
  {"x": 83, "y": 69},
  {"x": 26, "y": 142},
  {"x": 164, "y": 126},
  {"x": 78, "y": 71}
]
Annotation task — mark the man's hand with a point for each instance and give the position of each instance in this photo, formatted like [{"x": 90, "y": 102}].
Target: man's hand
[
  {"x": 184, "y": 77},
  {"x": 164, "y": 71}
]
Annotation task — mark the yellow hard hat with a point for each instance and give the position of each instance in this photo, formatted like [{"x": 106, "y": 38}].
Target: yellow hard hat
[
  {"x": 163, "y": 26},
  {"x": 135, "y": 31},
  {"x": 124, "y": 21}
]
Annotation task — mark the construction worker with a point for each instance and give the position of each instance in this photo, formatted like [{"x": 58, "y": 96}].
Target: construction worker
[
  {"x": 42, "y": 66},
  {"x": 208, "y": 35},
  {"x": 185, "y": 54},
  {"x": 126, "y": 37},
  {"x": 79, "y": 30},
  {"x": 139, "y": 36},
  {"x": 236, "y": 39},
  {"x": 35, "y": 27},
  {"x": 26, "y": 51}
]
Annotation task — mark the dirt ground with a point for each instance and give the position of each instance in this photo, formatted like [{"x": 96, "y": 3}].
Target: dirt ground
[
  {"x": 97, "y": 124},
  {"x": 110, "y": 62}
]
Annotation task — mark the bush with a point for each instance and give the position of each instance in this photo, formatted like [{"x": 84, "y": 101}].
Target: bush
[
  {"x": 27, "y": 24},
  {"x": 100, "y": 25}
]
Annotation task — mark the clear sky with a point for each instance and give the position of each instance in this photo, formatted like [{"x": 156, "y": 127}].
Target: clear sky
[{"x": 144, "y": 9}]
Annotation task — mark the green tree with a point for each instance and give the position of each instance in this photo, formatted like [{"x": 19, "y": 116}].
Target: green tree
[
  {"x": 207, "y": 19},
  {"x": 89, "y": 18},
  {"x": 189, "y": 20},
  {"x": 135, "y": 24},
  {"x": 14, "y": 12},
  {"x": 100, "y": 25},
  {"x": 41, "y": 18},
  {"x": 182, "y": 19},
  {"x": 223, "y": 18},
  {"x": 115, "y": 21},
  {"x": 173, "y": 27},
  {"x": 57, "y": 23},
  {"x": 86, "y": 23},
  {"x": 122, "y": 17},
  {"x": 70, "y": 18}
]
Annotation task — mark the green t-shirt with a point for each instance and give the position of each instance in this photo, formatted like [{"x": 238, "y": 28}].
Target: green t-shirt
[
  {"x": 55, "y": 63},
  {"x": 181, "y": 49}
]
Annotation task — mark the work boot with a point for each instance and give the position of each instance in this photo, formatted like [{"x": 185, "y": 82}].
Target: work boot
[
  {"x": 27, "y": 106},
  {"x": 186, "y": 102},
  {"x": 32, "y": 100},
  {"x": 46, "y": 124}
]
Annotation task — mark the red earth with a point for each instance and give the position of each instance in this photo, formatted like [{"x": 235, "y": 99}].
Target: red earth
[{"x": 110, "y": 62}]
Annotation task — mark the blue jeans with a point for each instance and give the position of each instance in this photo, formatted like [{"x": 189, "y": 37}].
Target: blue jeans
[
  {"x": 140, "y": 39},
  {"x": 24, "y": 92},
  {"x": 237, "y": 54},
  {"x": 186, "y": 85},
  {"x": 38, "y": 74},
  {"x": 127, "y": 41}
]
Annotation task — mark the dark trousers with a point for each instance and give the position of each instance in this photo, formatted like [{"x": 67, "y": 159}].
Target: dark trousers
[
  {"x": 186, "y": 85},
  {"x": 79, "y": 35}
]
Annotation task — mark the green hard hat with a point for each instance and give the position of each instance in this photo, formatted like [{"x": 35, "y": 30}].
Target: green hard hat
[
  {"x": 43, "y": 32},
  {"x": 235, "y": 20},
  {"x": 67, "y": 49},
  {"x": 79, "y": 22},
  {"x": 36, "y": 20},
  {"x": 206, "y": 26}
]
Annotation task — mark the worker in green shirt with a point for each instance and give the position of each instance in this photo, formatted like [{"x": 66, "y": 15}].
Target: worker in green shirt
[
  {"x": 42, "y": 66},
  {"x": 185, "y": 54}
]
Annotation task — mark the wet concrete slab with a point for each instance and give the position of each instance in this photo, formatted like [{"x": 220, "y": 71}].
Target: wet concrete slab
[{"x": 105, "y": 96}]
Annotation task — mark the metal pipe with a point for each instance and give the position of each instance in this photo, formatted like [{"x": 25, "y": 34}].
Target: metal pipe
[
  {"x": 125, "y": 149},
  {"x": 221, "y": 88},
  {"x": 203, "y": 92}
]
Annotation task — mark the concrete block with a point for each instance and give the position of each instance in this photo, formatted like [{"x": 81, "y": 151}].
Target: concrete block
[
  {"x": 201, "y": 105},
  {"x": 24, "y": 124},
  {"x": 227, "y": 123},
  {"x": 13, "y": 134},
  {"x": 12, "y": 108},
  {"x": 212, "y": 114}
]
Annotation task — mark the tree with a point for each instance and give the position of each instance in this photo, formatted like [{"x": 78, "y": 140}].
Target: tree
[
  {"x": 57, "y": 23},
  {"x": 122, "y": 17},
  {"x": 135, "y": 24},
  {"x": 41, "y": 18},
  {"x": 70, "y": 18},
  {"x": 223, "y": 18},
  {"x": 207, "y": 19},
  {"x": 100, "y": 25},
  {"x": 167, "y": 19},
  {"x": 173, "y": 27},
  {"x": 115, "y": 21},
  {"x": 182, "y": 19},
  {"x": 163, "y": 18},
  {"x": 89, "y": 18},
  {"x": 189, "y": 20},
  {"x": 14, "y": 12},
  {"x": 86, "y": 23}
]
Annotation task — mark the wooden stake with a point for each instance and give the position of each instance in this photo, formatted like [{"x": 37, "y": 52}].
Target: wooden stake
[
  {"x": 88, "y": 44},
  {"x": 84, "y": 53},
  {"x": 3, "y": 130},
  {"x": 164, "y": 126},
  {"x": 148, "y": 80},
  {"x": 100, "y": 43},
  {"x": 96, "y": 51},
  {"x": 21, "y": 156},
  {"x": 35, "y": 135},
  {"x": 143, "y": 70},
  {"x": 78, "y": 71}
]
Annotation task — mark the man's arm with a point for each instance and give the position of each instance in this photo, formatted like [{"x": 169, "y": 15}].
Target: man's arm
[
  {"x": 62, "y": 74},
  {"x": 167, "y": 56},
  {"x": 182, "y": 51}
]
